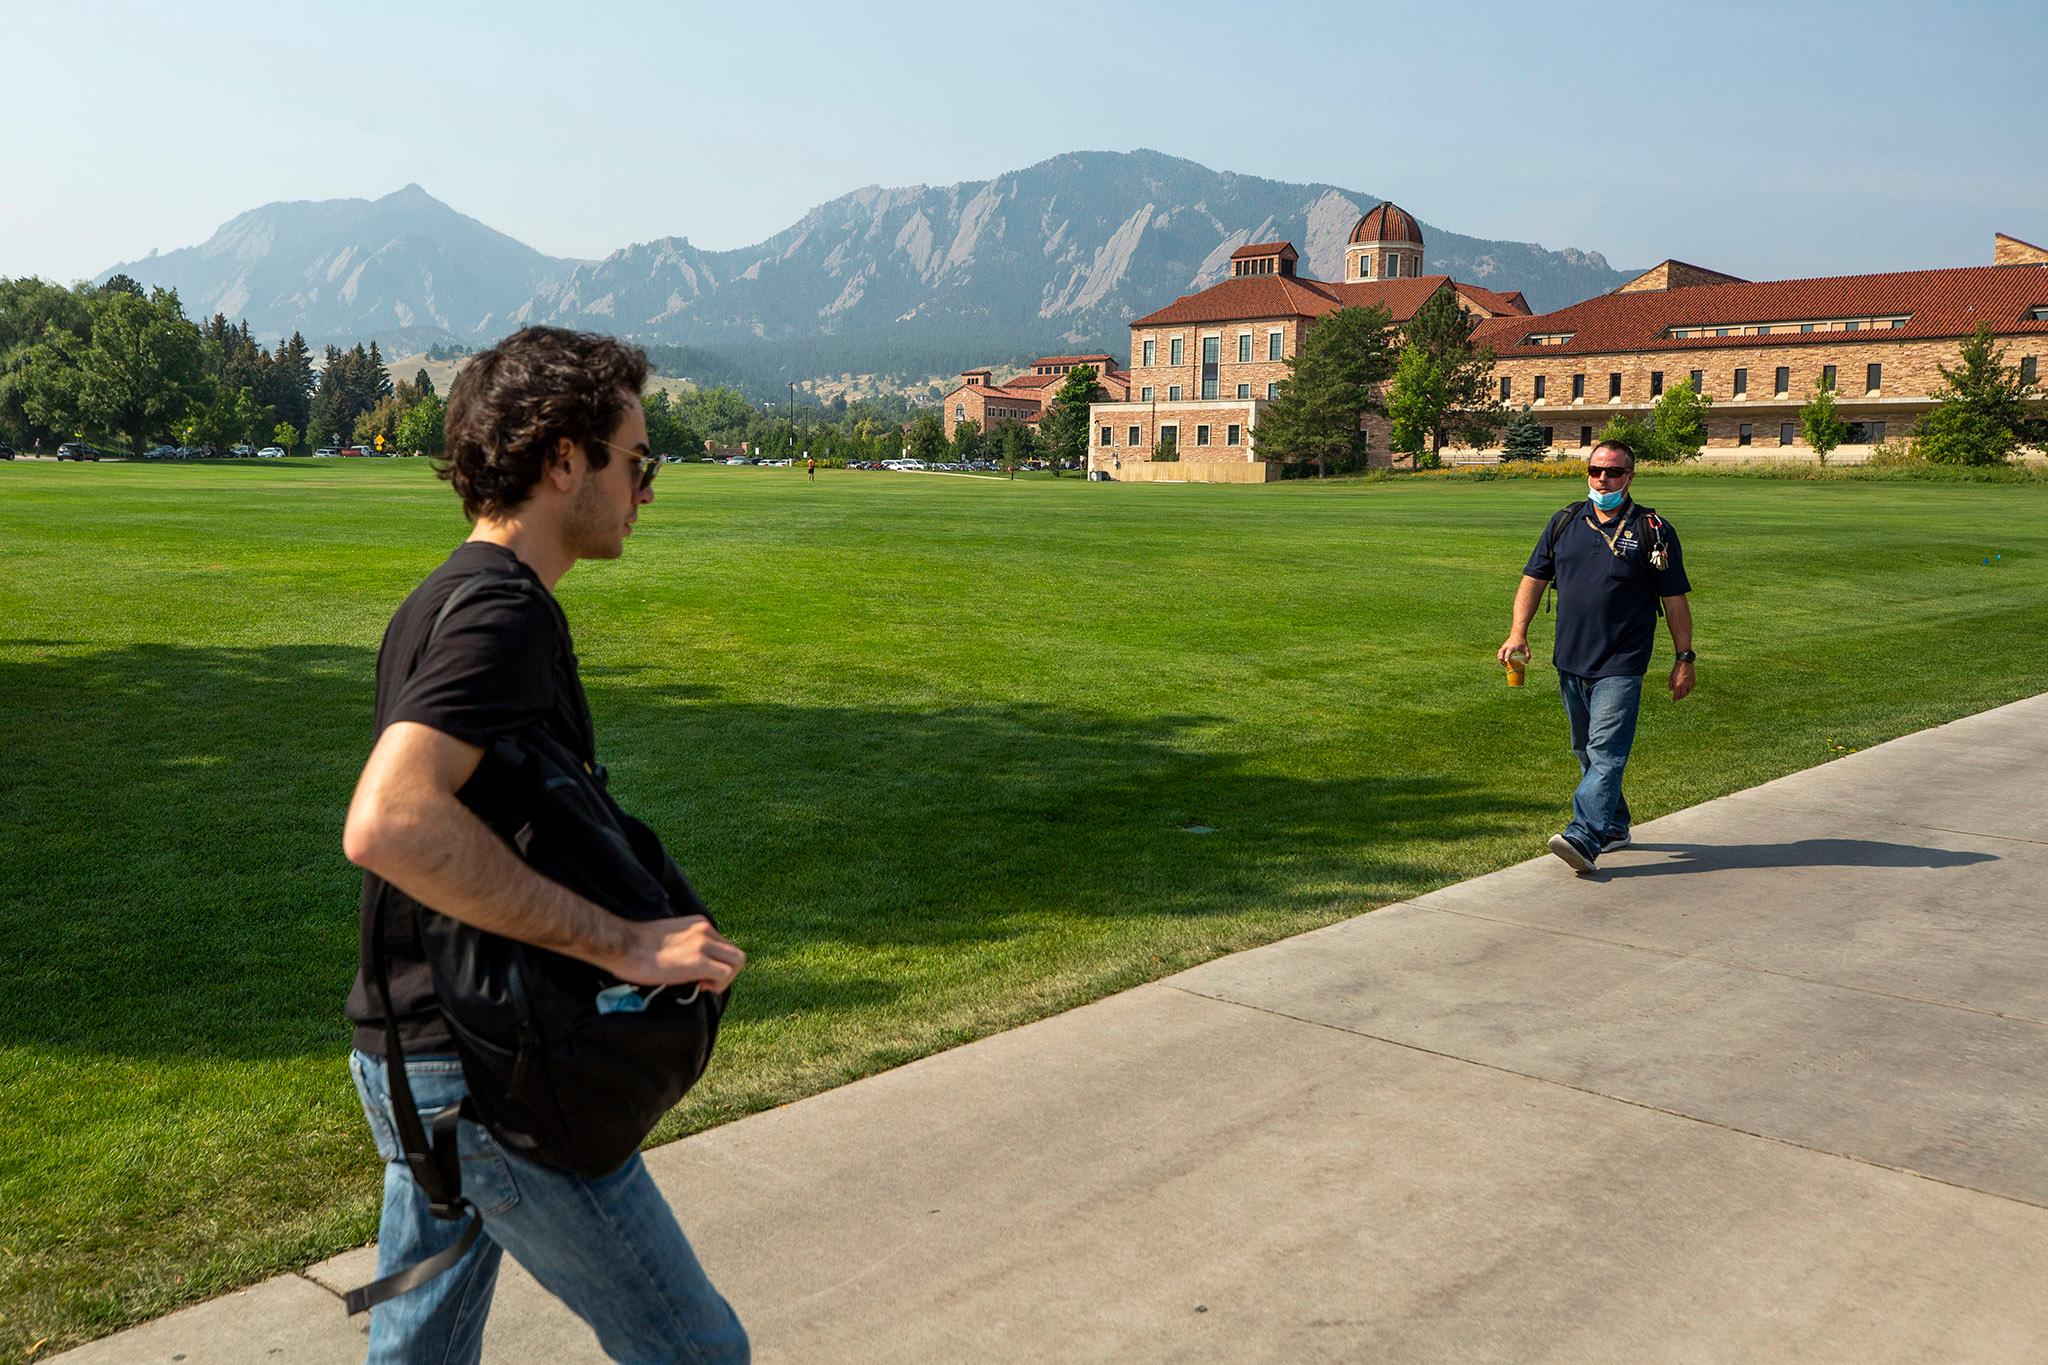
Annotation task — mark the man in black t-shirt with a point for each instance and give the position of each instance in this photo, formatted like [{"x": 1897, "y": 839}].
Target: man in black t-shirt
[
  {"x": 1614, "y": 563},
  {"x": 547, "y": 446}
]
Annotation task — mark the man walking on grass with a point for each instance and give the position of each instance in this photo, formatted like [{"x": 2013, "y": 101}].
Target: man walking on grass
[
  {"x": 547, "y": 446},
  {"x": 1614, "y": 562}
]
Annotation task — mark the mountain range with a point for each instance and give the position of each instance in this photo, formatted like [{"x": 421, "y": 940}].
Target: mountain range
[{"x": 906, "y": 283}]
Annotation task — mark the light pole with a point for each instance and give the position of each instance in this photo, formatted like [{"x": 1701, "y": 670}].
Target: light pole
[{"x": 792, "y": 416}]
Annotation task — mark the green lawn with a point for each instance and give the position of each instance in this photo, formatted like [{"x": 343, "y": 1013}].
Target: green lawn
[{"x": 927, "y": 745}]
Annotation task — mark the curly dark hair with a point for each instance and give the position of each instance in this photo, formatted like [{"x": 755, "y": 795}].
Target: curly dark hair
[{"x": 512, "y": 403}]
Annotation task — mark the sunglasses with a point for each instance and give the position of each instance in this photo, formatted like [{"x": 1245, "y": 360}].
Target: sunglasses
[
  {"x": 1608, "y": 471},
  {"x": 645, "y": 467}
]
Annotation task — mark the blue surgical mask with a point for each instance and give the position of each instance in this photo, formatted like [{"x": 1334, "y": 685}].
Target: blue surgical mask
[{"x": 1606, "y": 502}]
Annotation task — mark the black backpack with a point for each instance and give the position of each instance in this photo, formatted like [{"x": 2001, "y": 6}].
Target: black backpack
[{"x": 550, "y": 1076}]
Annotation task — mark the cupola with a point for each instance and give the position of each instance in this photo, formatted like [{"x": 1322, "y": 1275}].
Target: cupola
[{"x": 1386, "y": 245}]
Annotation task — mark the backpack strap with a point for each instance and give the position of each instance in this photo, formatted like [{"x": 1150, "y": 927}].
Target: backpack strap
[
  {"x": 1557, "y": 524},
  {"x": 433, "y": 1159}
]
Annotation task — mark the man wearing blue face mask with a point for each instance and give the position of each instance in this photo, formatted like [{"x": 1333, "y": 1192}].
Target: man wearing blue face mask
[{"x": 1615, "y": 564}]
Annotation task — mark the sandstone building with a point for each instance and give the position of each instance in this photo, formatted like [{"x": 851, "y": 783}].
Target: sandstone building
[
  {"x": 1760, "y": 350},
  {"x": 979, "y": 399},
  {"x": 1203, "y": 367}
]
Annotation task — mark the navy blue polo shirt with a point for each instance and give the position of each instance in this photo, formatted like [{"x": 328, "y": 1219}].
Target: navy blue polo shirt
[{"x": 1607, "y": 599}]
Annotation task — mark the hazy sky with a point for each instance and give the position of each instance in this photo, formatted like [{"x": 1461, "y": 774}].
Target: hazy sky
[{"x": 1770, "y": 140}]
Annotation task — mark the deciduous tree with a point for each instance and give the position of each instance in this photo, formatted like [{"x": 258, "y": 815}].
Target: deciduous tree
[
  {"x": 1063, "y": 428},
  {"x": 1819, "y": 424},
  {"x": 1980, "y": 415}
]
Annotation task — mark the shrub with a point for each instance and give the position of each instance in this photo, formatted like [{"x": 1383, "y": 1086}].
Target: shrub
[{"x": 1895, "y": 455}]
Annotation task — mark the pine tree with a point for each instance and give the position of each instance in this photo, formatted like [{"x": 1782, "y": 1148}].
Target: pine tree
[
  {"x": 1524, "y": 438},
  {"x": 423, "y": 384},
  {"x": 1332, "y": 382}
]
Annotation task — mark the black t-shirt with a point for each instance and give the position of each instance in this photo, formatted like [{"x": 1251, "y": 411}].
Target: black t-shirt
[
  {"x": 1607, "y": 599},
  {"x": 502, "y": 661}
]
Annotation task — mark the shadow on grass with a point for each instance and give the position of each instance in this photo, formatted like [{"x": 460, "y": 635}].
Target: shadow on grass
[
  {"x": 1690, "y": 858},
  {"x": 172, "y": 882}
]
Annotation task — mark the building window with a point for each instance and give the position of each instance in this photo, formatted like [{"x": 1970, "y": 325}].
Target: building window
[
  {"x": 1876, "y": 432},
  {"x": 1614, "y": 384},
  {"x": 1539, "y": 388},
  {"x": 1507, "y": 388},
  {"x": 2030, "y": 369},
  {"x": 1578, "y": 387},
  {"x": 1212, "y": 354},
  {"x": 1244, "y": 347},
  {"x": 1273, "y": 389},
  {"x": 1133, "y": 434},
  {"x": 1827, "y": 376},
  {"x": 1549, "y": 439},
  {"x": 1873, "y": 378},
  {"x": 1178, "y": 350},
  {"x": 1806, "y": 327},
  {"x": 1107, "y": 438},
  {"x": 1244, "y": 390},
  {"x": 1151, "y": 351},
  {"x": 1852, "y": 326},
  {"x": 1235, "y": 433},
  {"x": 1699, "y": 381},
  {"x": 1201, "y": 433},
  {"x": 1169, "y": 433},
  {"x": 1782, "y": 381},
  {"x": 1585, "y": 436},
  {"x": 1743, "y": 433},
  {"x": 1656, "y": 383},
  {"x": 1786, "y": 432},
  {"x": 1272, "y": 345},
  {"x": 1145, "y": 394},
  {"x": 1173, "y": 393}
]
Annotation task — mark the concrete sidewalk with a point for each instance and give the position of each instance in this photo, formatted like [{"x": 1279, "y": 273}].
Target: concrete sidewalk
[{"x": 1769, "y": 1087}]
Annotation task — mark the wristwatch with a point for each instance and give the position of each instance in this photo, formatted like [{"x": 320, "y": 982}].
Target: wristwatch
[{"x": 1686, "y": 656}]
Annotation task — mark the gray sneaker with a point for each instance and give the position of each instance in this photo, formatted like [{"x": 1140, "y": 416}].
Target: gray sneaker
[
  {"x": 1575, "y": 857},
  {"x": 1614, "y": 841}
]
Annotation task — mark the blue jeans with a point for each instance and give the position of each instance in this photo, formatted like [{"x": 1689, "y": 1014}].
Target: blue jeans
[
  {"x": 610, "y": 1249},
  {"x": 1602, "y": 712}
]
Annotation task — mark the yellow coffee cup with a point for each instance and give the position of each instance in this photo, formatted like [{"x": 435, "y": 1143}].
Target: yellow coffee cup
[{"x": 1518, "y": 667}]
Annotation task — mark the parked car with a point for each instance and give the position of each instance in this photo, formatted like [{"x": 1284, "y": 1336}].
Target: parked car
[
  {"x": 76, "y": 450},
  {"x": 6, "y": 452},
  {"x": 270, "y": 453},
  {"x": 160, "y": 453},
  {"x": 325, "y": 453},
  {"x": 354, "y": 452},
  {"x": 243, "y": 451}
]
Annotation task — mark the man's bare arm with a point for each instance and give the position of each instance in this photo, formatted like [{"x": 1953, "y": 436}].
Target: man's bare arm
[
  {"x": 1678, "y": 615},
  {"x": 406, "y": 825},
  {"x": 1526, "y": 598}
]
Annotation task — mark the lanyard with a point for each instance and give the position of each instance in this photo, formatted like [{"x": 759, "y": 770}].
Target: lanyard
[{"x": 1620, "y": 530}]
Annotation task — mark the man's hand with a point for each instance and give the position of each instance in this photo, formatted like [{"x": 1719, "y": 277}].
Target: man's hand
[
  {"x": 1511, "y": 645},
  {"x": 1682, "y": 681},
  {"x": 677, "y": 951}
]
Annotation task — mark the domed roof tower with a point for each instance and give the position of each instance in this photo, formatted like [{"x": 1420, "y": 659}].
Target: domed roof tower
[{"x": 1386, "y": 245}]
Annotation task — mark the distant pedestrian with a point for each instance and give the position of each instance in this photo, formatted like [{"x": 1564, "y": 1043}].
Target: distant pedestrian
[
  {"x": 548, "y": 448},
  {"x": 1616, "y": 564},
  {"x": 811, "y": 468}
]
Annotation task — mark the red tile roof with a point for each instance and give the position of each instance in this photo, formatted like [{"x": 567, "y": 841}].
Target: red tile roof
[
  {"x": 1936, "y": 304},
  {"x": 1387, "y": 222},
  {"x": 1265, "y": 249},
  {"x": 1245, "y": 297},
  {"x": 1073, "y": 359},
  {"x": 1493, "y": 301}
]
